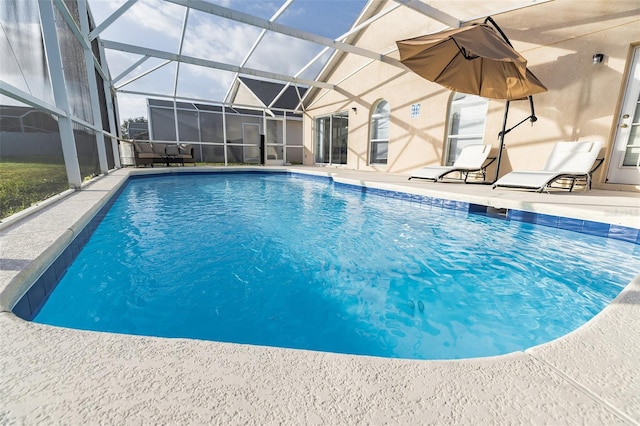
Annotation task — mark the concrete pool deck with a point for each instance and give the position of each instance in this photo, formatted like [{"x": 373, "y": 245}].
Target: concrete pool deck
[{"x": 53, "y": 375}]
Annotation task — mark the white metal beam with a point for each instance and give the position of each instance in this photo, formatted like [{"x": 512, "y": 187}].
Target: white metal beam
[
  {"x": 93, "y": 87},
  {"x": 131, "y": 68},
  {"x": 346, "y": 77},
  {"x": 115, "y": 15},
  {"x": 343, "y": 37},
  {"x": 368, "y": 22},
  {"x": 300, "y": 104},
  {"x": 84, "y": 42},
  {"x": 113, "y": 120},
  {"x": 26, "y": 98},
  {"x": 245, "y": 18},
  {"x": 505, "y": 10},
  {"x": 275, "y": 16},
  {"x": 431, "y": 12},
  {"x": 210, "y": 64},
  {"x": 149, "y": 71},
  {"x": 99, "y": 68},
  {"x": 182, "y": 33},
  {"x": 185, "y": 20},
  {"x": 54, "y": 57},
  {"x": 62, "y": 8},
  {"x": 196, "y": 100}
]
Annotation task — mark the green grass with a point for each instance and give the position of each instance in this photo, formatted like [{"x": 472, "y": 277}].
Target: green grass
[{"x": 23, "y": 184}]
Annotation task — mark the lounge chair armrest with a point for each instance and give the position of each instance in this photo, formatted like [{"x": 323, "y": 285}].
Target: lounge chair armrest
[
  {"x": 489, "y": 161},
  {"x": 596, "y": 165}
]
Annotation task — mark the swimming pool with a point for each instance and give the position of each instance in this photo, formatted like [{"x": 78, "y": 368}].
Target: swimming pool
[{"x": 332, "y": 269}]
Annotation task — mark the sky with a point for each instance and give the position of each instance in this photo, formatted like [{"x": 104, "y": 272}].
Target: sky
[{"x": 156, "y": 24}]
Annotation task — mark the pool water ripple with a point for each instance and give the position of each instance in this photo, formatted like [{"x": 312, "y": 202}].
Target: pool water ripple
[{"x": 276, "y": 260}]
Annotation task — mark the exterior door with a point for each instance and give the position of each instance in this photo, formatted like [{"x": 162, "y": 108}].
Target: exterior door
[
  {"x": 625, "y": 158},
  {"x": 331, "y": 134},
  {"x": 274, "y": 144},
  {"x": 250, "y": 143}
]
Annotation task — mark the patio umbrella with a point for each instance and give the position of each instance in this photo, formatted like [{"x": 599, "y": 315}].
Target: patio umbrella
[{"x": 477, "y": 60}]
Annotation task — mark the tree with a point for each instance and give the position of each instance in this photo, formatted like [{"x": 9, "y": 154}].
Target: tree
[{"x": 124, "y": 127}]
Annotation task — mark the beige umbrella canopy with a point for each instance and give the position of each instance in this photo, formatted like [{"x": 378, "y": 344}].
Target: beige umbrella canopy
[
  {"x": 478, "y": 60},
  {"x": 474, "y": 60}
]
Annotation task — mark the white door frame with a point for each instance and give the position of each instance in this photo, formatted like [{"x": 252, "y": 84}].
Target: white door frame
[
  {"x": 251, "y": 142},
  {"x": 272, "y": 147},
  {"x": 618, "y": 172}
]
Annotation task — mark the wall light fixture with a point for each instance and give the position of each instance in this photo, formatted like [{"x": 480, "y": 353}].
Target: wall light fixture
[{"x": 598, "y": 58}]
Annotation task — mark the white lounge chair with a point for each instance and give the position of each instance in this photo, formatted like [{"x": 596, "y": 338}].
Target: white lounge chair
[
  {"x": 568, "y": 160},
  {"x": 472, "y": 158}
]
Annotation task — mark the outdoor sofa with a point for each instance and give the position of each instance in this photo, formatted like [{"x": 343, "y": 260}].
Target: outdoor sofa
[{"x": 147, "y": 153}]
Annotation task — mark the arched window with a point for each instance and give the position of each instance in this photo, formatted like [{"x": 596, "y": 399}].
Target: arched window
[
  {"x": 467, "y": 116},
  {"x": 379, "y": 133}
]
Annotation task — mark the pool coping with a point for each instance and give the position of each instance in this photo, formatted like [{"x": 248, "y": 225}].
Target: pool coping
[{"x": 589, "y": 375}]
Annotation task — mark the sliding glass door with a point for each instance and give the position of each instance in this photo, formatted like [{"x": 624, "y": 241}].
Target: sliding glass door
[{"x": 331, "y": 138}]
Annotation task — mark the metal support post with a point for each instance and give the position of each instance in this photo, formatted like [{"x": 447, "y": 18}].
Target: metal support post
[
  {"x": 93, "y": 87},
  {"x": 47, "y": 17}
]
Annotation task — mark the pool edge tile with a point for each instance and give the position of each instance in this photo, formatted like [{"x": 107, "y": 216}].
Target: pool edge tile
[
  {"x": 570, "y": 224},
  {"x": 596, "y": 228},
  {"x": 624, "y": 233}
]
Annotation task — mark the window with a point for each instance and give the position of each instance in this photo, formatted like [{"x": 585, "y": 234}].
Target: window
[
  {"x": 467, "y": 115},
  {"x": 379, "y": 143}
]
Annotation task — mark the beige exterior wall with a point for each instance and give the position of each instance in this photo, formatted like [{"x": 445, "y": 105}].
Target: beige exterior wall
[
  {"x": 244, "y": 96},
  {"x": 557, "y": 38}
]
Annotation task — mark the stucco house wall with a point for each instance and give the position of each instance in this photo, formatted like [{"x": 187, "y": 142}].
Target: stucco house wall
[{"x": 557, "y": 38}]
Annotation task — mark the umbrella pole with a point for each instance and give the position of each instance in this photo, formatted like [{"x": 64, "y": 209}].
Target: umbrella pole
[
  {"x": 495, "y": 25},
  {"x": 501, "y": 135}
]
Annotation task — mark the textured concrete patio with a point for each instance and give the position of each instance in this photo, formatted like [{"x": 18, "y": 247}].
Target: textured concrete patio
[{"x": 53, "y": 375}]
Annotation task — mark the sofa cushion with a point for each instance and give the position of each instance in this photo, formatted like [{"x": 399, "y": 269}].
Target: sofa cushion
[
  {"x": 143, "y": 147},
  {"x": 158, "y": 148},
  {"x": 185, "y": 149},
  {"x": 172, "y": 150}
]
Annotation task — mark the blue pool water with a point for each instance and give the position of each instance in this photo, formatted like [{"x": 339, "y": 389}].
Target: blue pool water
[{"x": 279, "y": 260}]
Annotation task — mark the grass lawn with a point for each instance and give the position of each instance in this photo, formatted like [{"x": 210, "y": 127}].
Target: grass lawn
[{"x": 23, "y": 184}]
